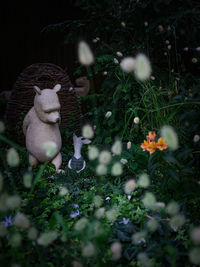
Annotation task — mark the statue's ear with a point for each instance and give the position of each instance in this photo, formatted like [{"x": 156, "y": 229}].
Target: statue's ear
[
  {"x": 57, "y": 87},
  {"x": 37, "y": 90}
]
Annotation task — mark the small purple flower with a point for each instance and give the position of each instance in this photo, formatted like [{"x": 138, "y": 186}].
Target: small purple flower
[
  {"x": 8, "y": 221},
  {"x": 76, "y": 206},
  {"x": 73, "y": 215}
]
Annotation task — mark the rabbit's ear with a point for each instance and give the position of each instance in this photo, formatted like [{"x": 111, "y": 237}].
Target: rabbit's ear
[
  {"x": 57, "y": 87},
  {"x": 37, "y": 90}
]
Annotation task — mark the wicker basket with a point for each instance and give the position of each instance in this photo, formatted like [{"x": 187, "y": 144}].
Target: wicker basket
[{"x": 44, "y": 75}]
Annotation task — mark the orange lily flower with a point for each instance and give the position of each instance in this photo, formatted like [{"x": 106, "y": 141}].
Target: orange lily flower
[
  {"x": 151, "y": 147},
  {"x": 145, "y": 145},
  {"x": 151, "y": 136},
  {"x": 161, "y": 144}
]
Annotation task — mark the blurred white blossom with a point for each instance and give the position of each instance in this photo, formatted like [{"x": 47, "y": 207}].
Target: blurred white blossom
[
  {"x": 170, "y": 137},
  {"x": 105, "y": 157},
  {"x": 93, "y": 152},
  {"x": 87, "y": 131},
  {"x": 129, "y": 186},
  {"x": 51, "y": 148},
  {"x": 88, "y": 250},
  {"x": 136, "y": 120},
  {"x": 143, "y": 67},
  {"x": 101, "y": 169},
  {"x": 12, "y": 157},
  {"x": 47, "y": 238},
  {"x": 116, "y": 249},
  {"x": 81, "y": 224},
  {"x": 85, "y": 54},
  {"x": 21, "y": 221},
  {"x": 108, "y": 114},
  {"x": 116, "y": 169},
  {"x": 117, "y": 147},
  {"x": 128, "y": 64}
]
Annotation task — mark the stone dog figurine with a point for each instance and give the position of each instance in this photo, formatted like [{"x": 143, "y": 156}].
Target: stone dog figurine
[{"x": 41, "y": 125}]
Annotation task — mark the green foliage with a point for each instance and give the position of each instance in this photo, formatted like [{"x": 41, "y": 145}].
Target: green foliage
[{"x": 79, "y": 216}]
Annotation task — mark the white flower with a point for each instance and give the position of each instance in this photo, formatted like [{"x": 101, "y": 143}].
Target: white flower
[
  {"x": 81, "y": 224},
  {"x": 88, "y": 250},
  {"x": 195, "y": 235},
  {"x": 143, "y": 67},
  {"x": 85, "y": 54},
  {"x": 116, "y": 249},
  {"x": 117, "y": 147},
  {"x": 116, "y": 61},
  {"x": 149, "y": 200},
  {"x": 105, "y": 157},
  {"x": 51, "y": 148},
  {"x": 108, "y": 114},
  {"x": 12, "y": 157},
  {"x": 129, "y": 145},
  {"x": 152, "y": 78},
  {"x": 136, "y": 120},
  {"x": 116, "y": 169},
  {"x": 123, "y": 161},
  {"x": 13, "y": 202},
  {"x": 169, "y": 47},
  {"x": 198, "y": 49},
  {"x": 123, "y": 24},
  {"x": 108, "y": 198},
  {"x": 87, "y": 131},
  {"x": 146, "y": 24},
  {"x": 129, "y": 186},
  {"x": 2, "y": 127},
  {"x": 177, "y": 221},
  {"x": 27, "y": 179},
  {"x": 152, "y": 225},
  {"x": 105, "y": 73},
  {"x": 111, "y": 214},
  {"x": 21, "y": 221},
  {"x": 128, "y": 64},
  {"x": 194, "y": 60},
  {"x": 196, "y": 138},
  {"x": 167, "y": 41},
  {"x": 172, "y": 208},
  {"x": 93, "y": 152},
  {"x": 47, "y": 238},
  {"x": 98, "y": 201},
  {"x": 186, "y": 49},
  {"x": 101, "y": 169},
  {"x": 32, "y": 233},
  {"x": 129, "y": 197},
  {"x": 119, "y": 54},
  {"x": 139, "y": 237},
  {"x": 63, "y": 191},
  {"x": 170, "y": 137},
  {"x": 143, "y": 180},
  {"x": 99, "y": 213},
  {"x": 195, "y": 255}
]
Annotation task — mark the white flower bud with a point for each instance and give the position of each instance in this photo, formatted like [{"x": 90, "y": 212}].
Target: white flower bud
[
  {"x": 93, "y": 152},
  {"x": 129, "y": 186},
  {"x": 128, "y": 64},
  {"x": 87, "y": 131},
  {"x": 136, "y": 120},
  {"x": 12, "y": 157},
  {"x": 85, "y": 54},
  {"x": 108, "y": 114},
  {"x": 143, "y": 67},
  {"x": 105, "y": 157}
]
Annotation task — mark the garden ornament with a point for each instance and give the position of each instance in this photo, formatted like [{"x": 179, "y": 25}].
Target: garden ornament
[
  {"x": 41, "y": 125},
  {"x": 47, "y": 75},
  {"x": 77, "y": 162}
]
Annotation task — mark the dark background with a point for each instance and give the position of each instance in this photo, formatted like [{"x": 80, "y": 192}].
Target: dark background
[{"x": 23, "y": 43}]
